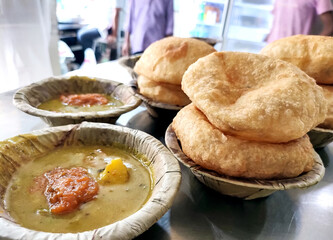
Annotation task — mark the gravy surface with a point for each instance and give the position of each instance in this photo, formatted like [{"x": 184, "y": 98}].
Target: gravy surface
[
  {"x": 29, "y": 207},
  {"x": 72, "y": 105}
]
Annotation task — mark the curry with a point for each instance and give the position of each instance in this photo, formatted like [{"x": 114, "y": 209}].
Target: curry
[
  {"x": 73, "y": 103},
  {"x": 79, "y": 188}
]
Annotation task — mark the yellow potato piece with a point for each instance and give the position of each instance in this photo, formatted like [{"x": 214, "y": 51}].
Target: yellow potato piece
[{"x": 114, "y": 172}]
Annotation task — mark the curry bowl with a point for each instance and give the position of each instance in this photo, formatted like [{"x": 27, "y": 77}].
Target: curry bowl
[
  {"x": 29, "y": 99},
  {"x": 240, "y": 187},
  {"x": 320, "y": 137},
  {"x": 19, "y": 153}
]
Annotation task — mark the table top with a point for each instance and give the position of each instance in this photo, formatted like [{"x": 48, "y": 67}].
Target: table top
[{"x": 200, "y": 213}]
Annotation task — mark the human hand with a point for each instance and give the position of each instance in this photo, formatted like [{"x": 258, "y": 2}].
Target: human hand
[
  {"x": 125, "y": 49},
  {"x": 111, "y": 39}
]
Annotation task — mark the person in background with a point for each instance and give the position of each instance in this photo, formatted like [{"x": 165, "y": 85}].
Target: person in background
[
  {"x": 146, "y": 22},
  {"x": 292, "y": 17},
  {"x": 103, "y": 22}
]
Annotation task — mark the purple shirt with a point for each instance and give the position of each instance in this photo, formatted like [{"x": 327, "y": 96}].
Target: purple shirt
[
  {"x": 148, "y": 21},
  {"x": 293, "y": 17}
]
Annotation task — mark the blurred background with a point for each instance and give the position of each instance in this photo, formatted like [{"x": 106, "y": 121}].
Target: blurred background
[{"x": 38, "y": 38}]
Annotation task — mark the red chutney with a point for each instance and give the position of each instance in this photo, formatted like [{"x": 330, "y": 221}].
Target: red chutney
[
  {"x": 87, "y": 99},
  {"x": 67, "y": 189}
]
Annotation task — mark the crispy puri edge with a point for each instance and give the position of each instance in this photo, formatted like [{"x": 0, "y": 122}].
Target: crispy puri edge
[{"x": 197, "y": 157}]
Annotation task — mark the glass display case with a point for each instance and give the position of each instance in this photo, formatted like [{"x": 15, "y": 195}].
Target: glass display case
[
  {"x": 200, "y": 19},
  {"x": 247, "y": 26}
]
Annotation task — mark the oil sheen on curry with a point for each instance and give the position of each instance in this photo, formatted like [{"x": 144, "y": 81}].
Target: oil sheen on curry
[
  {"x": 87, "y": 102},
  {"x": 79, "y": 188}
]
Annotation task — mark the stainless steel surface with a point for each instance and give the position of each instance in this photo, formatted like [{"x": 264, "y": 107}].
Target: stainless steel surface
[{"x": 200, "y": 213}]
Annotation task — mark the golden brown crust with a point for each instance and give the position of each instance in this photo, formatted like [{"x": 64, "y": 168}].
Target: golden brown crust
[
  {"x": 166, "y": 60},
  {"x": 162, "y": 92},
  {"x": 312, "y": 54},
  {"x": 255, "y": 97},
  {"x": 212, "y": 149},
  {"x": 328, "y": 93}
]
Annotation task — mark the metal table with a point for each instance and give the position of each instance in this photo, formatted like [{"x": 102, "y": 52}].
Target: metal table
[{"x": 201, "y": 213}]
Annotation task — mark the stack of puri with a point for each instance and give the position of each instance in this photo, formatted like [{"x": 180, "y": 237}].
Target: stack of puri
[
  {"x": 162, "y": 65},
  {"x": 249, "y": 116},
  {"x": 313, "y": 55}
]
